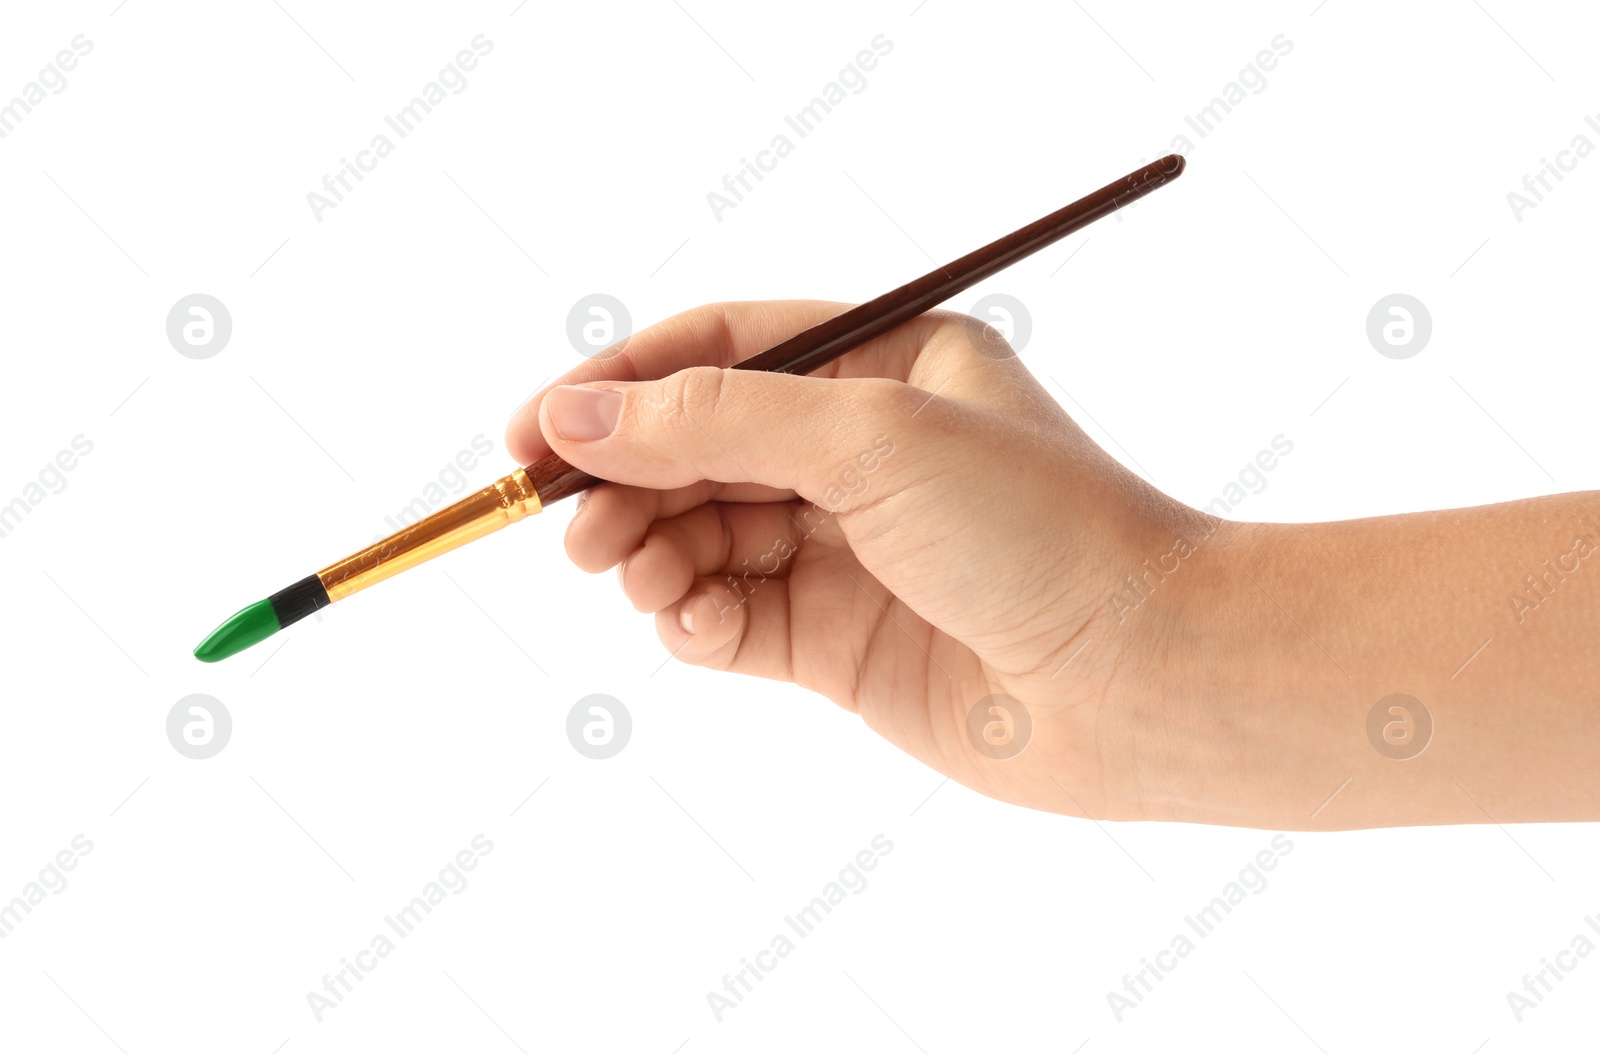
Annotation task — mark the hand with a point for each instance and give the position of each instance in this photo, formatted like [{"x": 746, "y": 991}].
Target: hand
[
  {"x": 915, "y": 530},
  {"x": 921, "y": 534}
]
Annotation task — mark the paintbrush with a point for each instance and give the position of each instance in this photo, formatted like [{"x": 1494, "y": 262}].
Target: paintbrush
[{"x": 528, "y": 490}]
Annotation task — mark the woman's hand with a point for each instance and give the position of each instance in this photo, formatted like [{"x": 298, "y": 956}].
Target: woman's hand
[
  {"x": 920, "y": 533},
  {"x": 916, "y": 532}
]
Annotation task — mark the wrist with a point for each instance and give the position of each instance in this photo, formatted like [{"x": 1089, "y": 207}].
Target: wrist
[{"x": 1235, "y": 719}]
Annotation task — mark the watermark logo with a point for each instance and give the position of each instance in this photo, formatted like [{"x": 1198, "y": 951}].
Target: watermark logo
[
  {"x": 1251, "y": 80},
  {"x": 52, "y": 480},
  {"x": 451, "y": 80},
  {"x": 1536, "y": 185},
  {"x": 1252, "y": 478},
  {"x": 799, "y": 925},
  {"x": 1540, "y": 585},
  {"x": 849, "y": 484},
  {"x": 199, "y": 326},
  {"x": 51, "y": 879},
  {"x": 1005, "y": 326},
  {"x": 737, "y": 185},
  {"x": 450, "y": 881},
  {"x": 1399, "y": 326},
  {"x": 1131, "y": 594},
  {"x": 451, "y": 480},
  {"x": 1536, "y": 985},
  {"x": 1153, "y": 969},
  {"x": 599, "y": 726},
  {"x": 1399, "y": 726},
  {"x": 999, "y": 726},
  {"x": 52, "y": 80},
  {"x": 199, "y": 726},
  {"x": 599, "y": 326}
]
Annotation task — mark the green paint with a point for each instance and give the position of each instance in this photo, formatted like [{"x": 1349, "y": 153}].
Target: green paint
[{"x": 244, "y": 628}]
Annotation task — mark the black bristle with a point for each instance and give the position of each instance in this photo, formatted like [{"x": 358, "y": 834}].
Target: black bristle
[{"x": 293, "y": 603}]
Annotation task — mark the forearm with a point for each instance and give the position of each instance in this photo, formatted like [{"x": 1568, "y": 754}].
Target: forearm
[{"x": 1288, "y": 636}]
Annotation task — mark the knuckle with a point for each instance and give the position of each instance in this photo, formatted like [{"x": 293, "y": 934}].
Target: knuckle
[
  {"x": 886, "y": 396},
  {"x": 694, "y": 393},
  {"x": 947, "y": 317}
]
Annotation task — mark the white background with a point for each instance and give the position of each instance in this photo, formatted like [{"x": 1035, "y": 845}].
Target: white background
[{"x": 372, "y": 345}]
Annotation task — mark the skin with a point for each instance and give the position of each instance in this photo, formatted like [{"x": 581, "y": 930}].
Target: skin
[{"x": 936, "y": 532}]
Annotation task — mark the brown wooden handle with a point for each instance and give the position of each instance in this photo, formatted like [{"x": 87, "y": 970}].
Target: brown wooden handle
[{"x": 554, "y": 479}]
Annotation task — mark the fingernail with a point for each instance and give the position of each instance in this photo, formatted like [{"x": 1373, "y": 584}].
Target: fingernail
[
  {"x": 686, "y": 619},
  {"x": 583, "y": 414}
]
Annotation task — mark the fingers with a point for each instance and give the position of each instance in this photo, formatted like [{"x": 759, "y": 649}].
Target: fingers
[
  {"x": 661, "y": 571},
  {"x": 742, "y": 543},
  {"x": 720, "y": 335},
  {"x": 722, "y": 628},
  {"x": 814, "y": 436},
  {"x": 612, "y": 519}
]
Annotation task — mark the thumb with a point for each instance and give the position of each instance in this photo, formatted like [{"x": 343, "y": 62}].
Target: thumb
[{"x": 814, "y": 436}]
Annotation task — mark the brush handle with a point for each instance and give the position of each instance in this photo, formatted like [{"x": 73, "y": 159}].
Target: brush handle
[
  {"x": 809, "y": 349},
  {"x": 554, "y": 479},
  {"x": 828, "y": 340}
]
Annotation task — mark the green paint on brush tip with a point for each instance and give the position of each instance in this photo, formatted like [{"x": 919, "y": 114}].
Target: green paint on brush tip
[{"x": 244, "y": 628}]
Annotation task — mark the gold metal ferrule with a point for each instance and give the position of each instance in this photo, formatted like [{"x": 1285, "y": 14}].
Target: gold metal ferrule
[{"x": 507, "y": 500}]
